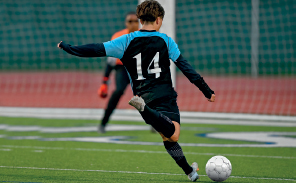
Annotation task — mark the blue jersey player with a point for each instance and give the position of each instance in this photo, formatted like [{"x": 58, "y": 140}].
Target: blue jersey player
[{"x": 146, "y": 56}]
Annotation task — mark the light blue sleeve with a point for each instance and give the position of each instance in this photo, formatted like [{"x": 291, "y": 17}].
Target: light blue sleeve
[
  {"x": 116, "y": 47},
  {"x": 174, "y": 51}
]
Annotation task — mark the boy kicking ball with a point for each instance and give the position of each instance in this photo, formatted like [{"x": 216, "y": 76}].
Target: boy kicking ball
[{"x": 146, "y": 56}]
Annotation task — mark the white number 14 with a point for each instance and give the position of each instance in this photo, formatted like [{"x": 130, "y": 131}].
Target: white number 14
[{"x": 156, "y": 70}]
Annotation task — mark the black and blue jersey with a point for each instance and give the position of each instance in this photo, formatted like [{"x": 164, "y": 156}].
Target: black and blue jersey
[{"x": 146, "y": 56}]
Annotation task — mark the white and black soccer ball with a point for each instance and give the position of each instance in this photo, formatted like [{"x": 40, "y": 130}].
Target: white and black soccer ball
[{"x": 218, "y": 168}]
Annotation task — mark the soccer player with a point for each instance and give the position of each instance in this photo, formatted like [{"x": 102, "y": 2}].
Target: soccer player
[
  {"x": 121, "y": 77},
  {"x": 145, "y": 55}
]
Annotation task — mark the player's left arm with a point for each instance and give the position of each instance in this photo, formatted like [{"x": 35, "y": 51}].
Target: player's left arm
[
  {"x": 189, "y": 72},
  {"x": 195, "y": 78}
]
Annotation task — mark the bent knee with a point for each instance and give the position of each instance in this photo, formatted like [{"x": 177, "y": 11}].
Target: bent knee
[{"x": 174, "y": 138}]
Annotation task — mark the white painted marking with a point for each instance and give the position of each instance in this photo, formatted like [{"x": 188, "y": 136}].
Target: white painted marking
[
  {"x": 24, "y": 137},
  {"x": 38, "y": 151},
  {"x": 5, "y": 149},
  {"x": 89, "y": 139},
  {"x": 111, "y": 127},
  {"x": 198, "y": 129},
  {"x": 72, "y": 129},
  {"x": 3, "y": 126},
  {"x": 21, "y": 128},
  {"x": 133, "y": 115},
  {"x": 144, "y": 151},
  {"x": 278, "y": 139},
  {"x": 278, "y": 142},
  {"x": 238, "y": 116},
  {"x": 129, "y": 172},
  {"x": 267, "y": 138},
  {"x": 238, "y": 122},
  {"x": 36, "y": 147}
]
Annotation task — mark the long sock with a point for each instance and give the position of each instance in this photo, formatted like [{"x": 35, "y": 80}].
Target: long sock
[
  {"x": 175, "y": 150},
  {"x": 158, "y": 121}
]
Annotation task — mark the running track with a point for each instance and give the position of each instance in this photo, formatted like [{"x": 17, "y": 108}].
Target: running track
[{"x": 79, "y": 90}]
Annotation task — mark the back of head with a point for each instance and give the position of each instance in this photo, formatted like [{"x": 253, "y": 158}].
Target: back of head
[{"x": 149, "y": 10}]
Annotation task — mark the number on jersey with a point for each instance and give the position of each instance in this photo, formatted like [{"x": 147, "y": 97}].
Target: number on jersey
[{"x": 156, "y": 70}]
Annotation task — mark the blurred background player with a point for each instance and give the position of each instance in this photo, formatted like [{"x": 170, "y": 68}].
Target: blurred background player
[{"x": 121, "y": 77}]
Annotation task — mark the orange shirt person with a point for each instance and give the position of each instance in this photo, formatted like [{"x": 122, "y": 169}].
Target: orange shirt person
[{"x": 121, "y": 76}]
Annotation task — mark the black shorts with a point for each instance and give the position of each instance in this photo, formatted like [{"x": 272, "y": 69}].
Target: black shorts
[{"x": 166, "y": 106}]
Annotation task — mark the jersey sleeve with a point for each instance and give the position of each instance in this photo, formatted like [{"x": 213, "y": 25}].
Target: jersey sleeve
[
  {"x": 115, "y": 48},
  {"x": 88, "y": 50},
  {"x": 174, "y": 51}
]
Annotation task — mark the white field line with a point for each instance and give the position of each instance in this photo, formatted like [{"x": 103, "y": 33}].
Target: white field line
[
  {"x": 5, "y": 149},
  {"x": 133, "y": 115},
  {"x": 144, "y": 151},
  {"x": 129, "y": 172}
]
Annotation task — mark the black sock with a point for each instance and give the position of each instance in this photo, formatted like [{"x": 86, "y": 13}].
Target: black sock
[
  {"x": 158, "y": 121},
  {"x": 175, "y": 150}
]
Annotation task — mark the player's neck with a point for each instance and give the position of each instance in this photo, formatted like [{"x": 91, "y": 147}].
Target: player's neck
[{"x": 149, "y": 27}]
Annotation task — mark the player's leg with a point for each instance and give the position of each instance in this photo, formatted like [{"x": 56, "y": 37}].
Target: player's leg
[
  {"x": 122, "y": 80},
  {"x": 168, "y": 129},
  {"x": 176, "y": 152},
  {"x": 157, "y": 120},
  {"x": 175, "y": 136}
]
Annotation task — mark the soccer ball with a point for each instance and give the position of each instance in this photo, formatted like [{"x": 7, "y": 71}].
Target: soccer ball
[{"x": 218, "y": 168}]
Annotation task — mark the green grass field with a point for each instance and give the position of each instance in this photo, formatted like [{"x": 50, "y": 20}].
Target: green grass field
[{"x": 42, "y": 150}]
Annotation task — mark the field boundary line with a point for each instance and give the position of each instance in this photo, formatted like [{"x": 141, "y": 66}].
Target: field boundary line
[
  {"x": 129, "y": 172},
  {"x": 133, "y": 115},
  {"x": 144, "y": 151}
]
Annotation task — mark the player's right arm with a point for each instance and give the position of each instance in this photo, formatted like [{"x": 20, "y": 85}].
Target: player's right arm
[
  {"x": 88, "y": 50},
  {"x": 114, "y": 48}
]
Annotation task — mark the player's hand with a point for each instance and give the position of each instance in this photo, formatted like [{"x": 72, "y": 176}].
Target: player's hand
[
  {"x": 212, "y": 99},
  {"x": 103, "y": 91},
  {"x": 59, "y": 45}
]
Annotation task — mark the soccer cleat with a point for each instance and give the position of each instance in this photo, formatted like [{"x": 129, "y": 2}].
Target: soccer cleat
[
  {"x": 101, "y": 129},
  {"x": 193, "y": 176},
  {"x": 138, "y": 103}
]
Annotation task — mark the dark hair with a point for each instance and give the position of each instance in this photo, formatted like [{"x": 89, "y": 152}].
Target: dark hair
[
  {"x": 130, "y": 13},
  {"x": 149, "y": 10}
]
